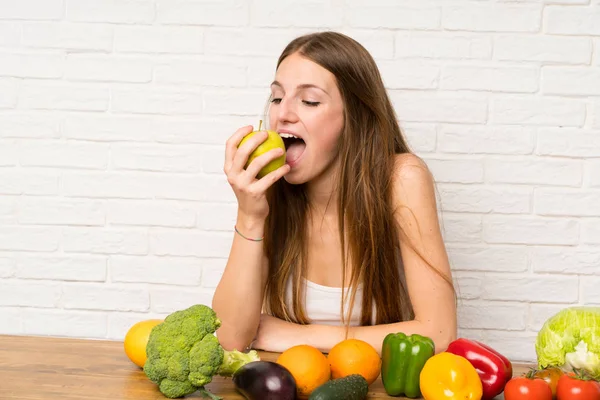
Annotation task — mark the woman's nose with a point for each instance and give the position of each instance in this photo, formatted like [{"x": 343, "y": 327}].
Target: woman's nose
[{"x": 287, "y": 111}]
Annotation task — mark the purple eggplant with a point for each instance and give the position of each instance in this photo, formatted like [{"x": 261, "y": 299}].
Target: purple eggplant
[{"x": 265, "y": 380}]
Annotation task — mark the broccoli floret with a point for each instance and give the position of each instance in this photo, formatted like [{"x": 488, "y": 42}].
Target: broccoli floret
[{"x": 184, "y": 354}]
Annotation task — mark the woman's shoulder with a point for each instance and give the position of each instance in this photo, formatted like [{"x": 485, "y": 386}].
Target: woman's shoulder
[{"x": 411, "y": 175}]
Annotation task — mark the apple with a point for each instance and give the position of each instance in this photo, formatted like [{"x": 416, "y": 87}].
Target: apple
[{"x": 273, "y": 141}]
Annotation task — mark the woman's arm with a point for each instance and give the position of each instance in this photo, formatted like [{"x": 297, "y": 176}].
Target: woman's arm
[{"x": 431, "y": 295}]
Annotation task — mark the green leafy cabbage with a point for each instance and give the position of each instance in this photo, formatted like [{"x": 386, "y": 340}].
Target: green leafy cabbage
[{"x": 570, "y": 340}]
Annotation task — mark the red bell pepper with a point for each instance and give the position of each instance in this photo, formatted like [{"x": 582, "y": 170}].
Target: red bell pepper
[{"x": 493, "y": 368}]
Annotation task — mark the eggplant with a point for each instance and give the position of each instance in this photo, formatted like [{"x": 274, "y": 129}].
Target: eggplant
[{"x": 265, "y": 380}]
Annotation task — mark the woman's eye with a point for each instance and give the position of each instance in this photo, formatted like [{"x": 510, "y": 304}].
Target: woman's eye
[
  {"x": 311, "y": 103},
  {"x": 276, "y": 100}
]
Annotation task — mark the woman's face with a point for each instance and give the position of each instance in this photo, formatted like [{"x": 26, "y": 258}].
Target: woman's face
[{"x": 307, "y": 110}]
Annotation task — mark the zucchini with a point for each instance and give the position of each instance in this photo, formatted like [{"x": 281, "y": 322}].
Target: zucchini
[{"x": 351, "y": 387}]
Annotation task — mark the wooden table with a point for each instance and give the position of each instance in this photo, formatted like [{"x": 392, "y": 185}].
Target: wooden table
[{"x": 42, "y": 368}]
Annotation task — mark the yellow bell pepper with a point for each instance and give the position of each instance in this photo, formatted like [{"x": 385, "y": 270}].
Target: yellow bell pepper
[{"x": 446, "y": 376}]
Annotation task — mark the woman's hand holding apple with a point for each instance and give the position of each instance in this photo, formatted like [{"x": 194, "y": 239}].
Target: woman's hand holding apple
[{"x": 250, "y": 191}]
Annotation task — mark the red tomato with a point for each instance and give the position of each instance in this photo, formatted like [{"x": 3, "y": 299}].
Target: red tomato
[
  {"x": 523, "y": 388},
  {"x": 570, "y": 387},
  {"x": 551, "y": 375}
]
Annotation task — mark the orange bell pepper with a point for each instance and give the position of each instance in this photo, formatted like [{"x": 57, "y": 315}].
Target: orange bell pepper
[{"x": 446, "y": 376}]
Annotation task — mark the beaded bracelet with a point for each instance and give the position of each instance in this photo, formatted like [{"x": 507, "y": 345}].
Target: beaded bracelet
[{"x": 247, "y": 238}]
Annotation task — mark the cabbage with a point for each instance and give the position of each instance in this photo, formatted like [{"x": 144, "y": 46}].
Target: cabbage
[{"x": 570, "y": 340}]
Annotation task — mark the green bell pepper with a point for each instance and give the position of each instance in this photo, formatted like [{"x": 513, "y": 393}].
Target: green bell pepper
[{"x": 402, "y": 359}]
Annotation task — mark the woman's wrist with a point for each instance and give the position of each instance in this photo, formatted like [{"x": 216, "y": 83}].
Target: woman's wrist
[{"x": 250, "y": 227}]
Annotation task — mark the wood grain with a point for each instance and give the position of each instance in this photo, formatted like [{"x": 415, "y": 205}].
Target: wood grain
[{"x": 43, "y": 368}]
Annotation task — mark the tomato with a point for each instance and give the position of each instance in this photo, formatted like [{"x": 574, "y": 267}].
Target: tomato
[
  {"x": 525, "y": 388},
  {"x": 572, "y": 387},
  {"x": 551, "y": 375}
]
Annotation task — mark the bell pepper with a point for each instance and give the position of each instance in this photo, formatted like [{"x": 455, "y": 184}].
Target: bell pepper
[
  {"x": 402, "y": 359},
  {"x": 447, "y": 376},
  {"x": 493, "y": 368}
]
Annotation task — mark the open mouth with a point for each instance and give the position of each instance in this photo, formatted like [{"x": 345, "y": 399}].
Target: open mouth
[{"x": 294, "y": 146}]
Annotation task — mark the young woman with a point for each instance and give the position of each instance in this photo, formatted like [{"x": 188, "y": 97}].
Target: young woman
[{"x": 348, "y": 243}]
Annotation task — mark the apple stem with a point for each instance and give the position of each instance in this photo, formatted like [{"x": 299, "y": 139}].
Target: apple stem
[{"x": 259, "y": 124}]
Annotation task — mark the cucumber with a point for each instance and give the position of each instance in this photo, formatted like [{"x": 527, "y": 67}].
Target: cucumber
[{"x": 351, "y": 387}]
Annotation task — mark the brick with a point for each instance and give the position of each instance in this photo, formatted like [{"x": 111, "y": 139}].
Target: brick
[
  {"x": 213, "y": 158},
  {"x": 63, "y": 96},
  {"x": 217, "y": 217},
  {"x": 29, "y": 65},
  {"x": 64, "y": 323},
  {"x": 8, "y": 153},
  {"x": 462, "y": 228},
  {"x": 229, "y": 13},
  {"x": 568, "y": 142},
  {"x": 68, "y": 36},
  {"x": 470, "y": 139},
  {"x": 566, "y": 261},
  {"x": 486, "y": 315},
  {"x": 439, "y": 107},
  {"x": 533, "y": 111},
  {"x": 159, "y": 39},
  {"x": 93, "y": 296},
  {"x": 7, "y": 266},
  {"x": 578, "y": 81},
  {"x": 8, "y": 213},
  {"x": 590, "y": 231},
  {"x": 569, "y": 202},
  {"x": 235, "y": 102},
  {"x": 108, "y": 68},
  {"x": 485, "y": 199},
  {"x": 150, "y": 213},
  {"x": 420, "y": 137},
  {"x": 11, "y": 321},
  {"x": 532, "y": 288},
  {"x": 440, "y": 45},
  {"x": 58, "y": 211},
  {"x": 212, "y": 271},
  {"x": 156, "y": 101},
  {"x": 29, "y": 125},
  {"x": 596, "y": 46},
  {"x": 489, "y": 258},
  {"x": 203, "y": 72},
  {"x": 495, "y": 79},
  {"x": 539, "y": 314},
  {"x": 217, "y": 189},
  {"x": 456, "y": 170},
  {"x": 151, "y": 157},
  {"x": 10, "y": 34},
  {"x": 9, "y": 88},
  {"x": 297, "y": 13},
  {"x": 493, "y": 18},
  {"x": 593, "y": 168},
  {"x": 14, "y": 181},
  {"x": 32, "y": 9},
  {"x": 394, "y": 16},
  {"x": 29, "y": 294},
  {"x": 114, "y": 11},
  {"x": 119, "y": 323},
  {"x": 468, "y": 287},
  {"x": 535, "y": 171},
  {"x": 168, "y": 301},
  {"x": 260, "y": 72},
  {"x": 105, "y": 241},
  {"x": 195, "y": 243},
  {"x": 559, "y": 49},
  {"x": 380, "y": 44},
  {"x": 160, "y": 270},
  {"x": 409, "y": 74},
  {"x": 64, "y": 154},
  {"x": 530, "y": 230},
  {"x": 567, "y": 20},
  {"x": 247, "y": 42},
  {"x": 589, "y": 291},
  {"x": 516, "y": 346},
  {"x": 21, "y": 238},
  {"x": 64, "y": 268}
]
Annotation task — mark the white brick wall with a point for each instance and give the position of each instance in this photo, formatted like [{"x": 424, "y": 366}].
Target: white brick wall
[{"x": 114, "y": 114}]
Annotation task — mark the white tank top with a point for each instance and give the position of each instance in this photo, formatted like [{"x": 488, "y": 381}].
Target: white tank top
[{"x": 323, "y": 303}]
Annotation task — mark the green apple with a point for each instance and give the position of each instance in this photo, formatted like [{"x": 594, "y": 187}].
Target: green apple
[{"x": 273, "y": 141}]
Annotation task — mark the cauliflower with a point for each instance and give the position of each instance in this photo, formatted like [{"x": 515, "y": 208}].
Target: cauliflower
[{"x": 184, "y": 354}]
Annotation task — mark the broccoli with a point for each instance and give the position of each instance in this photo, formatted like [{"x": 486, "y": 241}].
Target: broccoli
[{"x": 184, "y": 353}]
